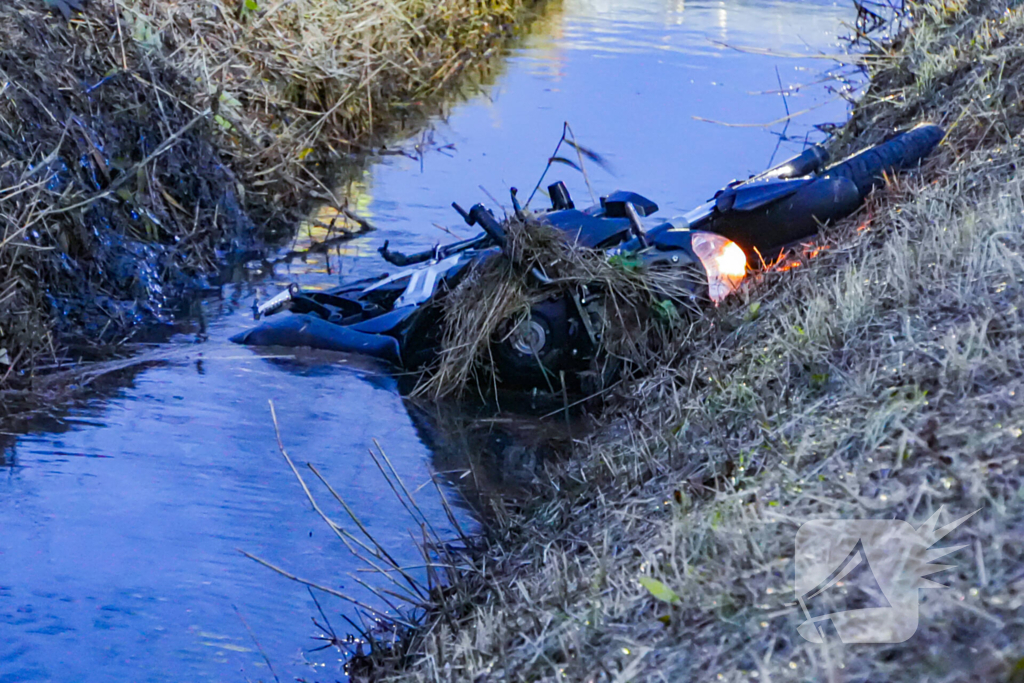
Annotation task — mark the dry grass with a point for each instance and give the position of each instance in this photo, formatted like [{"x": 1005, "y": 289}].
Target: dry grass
[
  {"x": 113, "y": 198},
  {"x": 148, "y": 142},
  {"x": 298, "y": 84},
  {"x": 484, "y": 308},
  {"x": 882, "y": 379}
]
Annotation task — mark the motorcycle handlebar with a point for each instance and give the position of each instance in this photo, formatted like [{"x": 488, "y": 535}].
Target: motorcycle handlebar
[
  {"x": 479, "y": 215},
  {"x": 397, "y": 258},
  {"x": 463, "y": 213}
]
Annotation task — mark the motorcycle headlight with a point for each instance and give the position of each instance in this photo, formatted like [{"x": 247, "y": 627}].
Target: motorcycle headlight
[{"x": 723, "y": 261}]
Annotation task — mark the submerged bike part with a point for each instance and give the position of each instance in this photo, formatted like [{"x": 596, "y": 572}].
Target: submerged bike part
[
  {"x": 312, "y": 331},
  {"x": 723, "y": 261}
]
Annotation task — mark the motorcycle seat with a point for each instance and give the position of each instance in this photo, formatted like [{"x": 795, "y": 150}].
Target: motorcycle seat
[{"x": 755, "y": 195}]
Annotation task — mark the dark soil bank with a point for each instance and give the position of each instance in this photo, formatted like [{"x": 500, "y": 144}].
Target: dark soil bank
[{"x": 114, "y": 200}]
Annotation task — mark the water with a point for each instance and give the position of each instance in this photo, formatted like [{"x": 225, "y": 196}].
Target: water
[{"x": 122, "y": 516}]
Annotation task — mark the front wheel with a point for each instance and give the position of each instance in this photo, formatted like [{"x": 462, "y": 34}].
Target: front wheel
[{"x": 534, "y": 348}]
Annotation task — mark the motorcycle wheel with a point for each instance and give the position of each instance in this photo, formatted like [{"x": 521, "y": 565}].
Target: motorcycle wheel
[{"x": 537, "y": 347}]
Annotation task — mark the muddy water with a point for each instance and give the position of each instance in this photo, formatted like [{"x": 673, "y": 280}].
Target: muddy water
[{"x": 121, "y": 518}]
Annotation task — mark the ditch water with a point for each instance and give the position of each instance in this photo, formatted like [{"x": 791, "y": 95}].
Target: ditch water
[{"x": 122, "y": 517}]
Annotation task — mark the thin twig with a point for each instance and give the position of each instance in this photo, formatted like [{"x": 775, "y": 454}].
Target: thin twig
[
  {"x": 257, "y": 642},
  {"x": 325, "y": 589}
]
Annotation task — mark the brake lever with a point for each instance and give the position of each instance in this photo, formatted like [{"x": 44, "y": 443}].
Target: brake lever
[{"x": 515, "y": 204}]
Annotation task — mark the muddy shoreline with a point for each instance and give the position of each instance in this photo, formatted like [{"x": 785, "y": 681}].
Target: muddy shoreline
[
  {"x": 150, "y": 149},
  {"x": 879, "y": 379}
]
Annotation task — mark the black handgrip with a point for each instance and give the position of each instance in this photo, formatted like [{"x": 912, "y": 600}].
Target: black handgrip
[
  {"x": 462, "y": 212},
  {"x": 486, "y": 220},
  {"x": 479, "y": 215}
]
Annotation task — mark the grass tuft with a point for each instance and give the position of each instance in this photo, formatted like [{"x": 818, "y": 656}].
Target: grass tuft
[{"x": 635, "y": 320}]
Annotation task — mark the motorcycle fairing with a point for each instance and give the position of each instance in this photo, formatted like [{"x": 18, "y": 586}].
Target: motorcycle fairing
[
  {"x": 669, "y": 238},
  {"x": 754, "y": 195},
  {"x": 387, "y": 323},
  {"x": 614, "y": 205},
  {"x": 762, "y": 231},
  {"x": 423, "y": 281}
]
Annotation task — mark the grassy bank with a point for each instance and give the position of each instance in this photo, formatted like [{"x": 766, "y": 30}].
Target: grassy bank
[
  {"x": 146, "y": 143},
  {"x": 881, "y": 379},
  {"x": 303, "y": 83}
]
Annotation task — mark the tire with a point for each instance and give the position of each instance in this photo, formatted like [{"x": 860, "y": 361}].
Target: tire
[{"x": 867, "y": 168}]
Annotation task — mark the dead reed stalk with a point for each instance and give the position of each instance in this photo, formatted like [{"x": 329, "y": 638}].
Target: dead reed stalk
[{"x": 403, "y": 601}]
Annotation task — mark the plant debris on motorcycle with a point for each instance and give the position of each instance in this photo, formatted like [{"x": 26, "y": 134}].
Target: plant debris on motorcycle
[{"x": 636, "y": 314}]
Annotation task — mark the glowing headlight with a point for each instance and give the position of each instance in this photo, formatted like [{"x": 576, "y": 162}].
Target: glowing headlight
[{"x": 724, "y": 262}]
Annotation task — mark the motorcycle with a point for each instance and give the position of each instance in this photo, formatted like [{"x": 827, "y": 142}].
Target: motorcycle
[{"x": 398, "y": 318}]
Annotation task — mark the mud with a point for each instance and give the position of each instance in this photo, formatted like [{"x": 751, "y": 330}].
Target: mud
[{"x": 98, "y": 163}]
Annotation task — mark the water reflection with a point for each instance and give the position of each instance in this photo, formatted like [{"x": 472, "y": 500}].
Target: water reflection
[
  {"x": 130, "y": 517},
  {"x": 688, "y": 28},
  {"x": 122, "y": 517},
  {"x": 7, "y": 450},
  {"x": 630, "y": 76},
  {"x": 487, "y": 452}
]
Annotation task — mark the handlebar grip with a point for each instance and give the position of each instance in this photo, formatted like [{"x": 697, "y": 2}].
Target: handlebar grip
[
  {"x": 462, "y": 212},
  {"x": 811, "y": 160},
  {"x": 479, "y": 215},
  {"x": 486, "y": 220}
]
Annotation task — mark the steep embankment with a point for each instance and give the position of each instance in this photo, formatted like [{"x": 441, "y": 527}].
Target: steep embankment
[
  {"x": 881, "y": 379},
  {"x": 145, "y": 142}
]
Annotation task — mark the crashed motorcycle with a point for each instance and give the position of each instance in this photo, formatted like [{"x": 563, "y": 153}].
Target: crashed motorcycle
[{"x": 398, "y": 318}]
